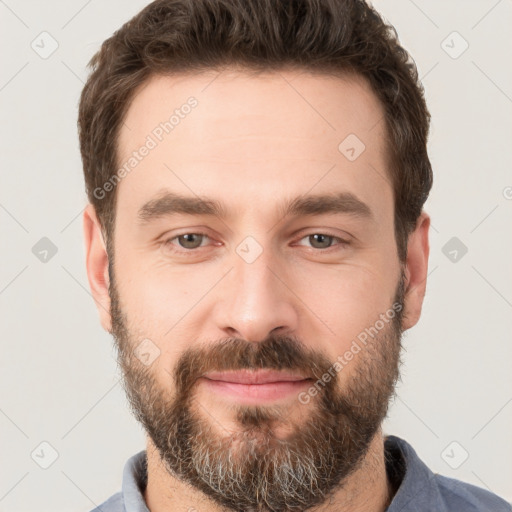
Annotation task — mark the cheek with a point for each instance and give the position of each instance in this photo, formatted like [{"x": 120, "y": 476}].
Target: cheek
[
  {"x": 152, "y": 292},
  {"x": 343, "y": 302},
  {"x": 160, "y": 306}
]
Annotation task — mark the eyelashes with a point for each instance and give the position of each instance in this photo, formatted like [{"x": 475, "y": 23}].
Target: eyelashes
[{"x": 180, "y": 250}]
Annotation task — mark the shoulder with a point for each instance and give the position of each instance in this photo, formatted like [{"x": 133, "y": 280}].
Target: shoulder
[
  {"x": 131, "y": 494},
  {"x": 459, "y": 495},
  {"x": 421, "y": 490},
  {"x": 113, "y": 504}
]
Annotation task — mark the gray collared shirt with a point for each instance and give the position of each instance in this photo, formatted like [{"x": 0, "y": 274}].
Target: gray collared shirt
[{"x": 420, "y": 490}]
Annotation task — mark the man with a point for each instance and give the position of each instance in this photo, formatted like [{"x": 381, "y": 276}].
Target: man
[{"x": 256, "y": 244}]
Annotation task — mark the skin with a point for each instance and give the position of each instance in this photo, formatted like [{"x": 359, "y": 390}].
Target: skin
[{"x": 275, "y": 139}]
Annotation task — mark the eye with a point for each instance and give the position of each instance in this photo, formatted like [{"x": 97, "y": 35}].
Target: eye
[
  {"x": 323, "y": 241},
  {"x": 187, "y": 241}
]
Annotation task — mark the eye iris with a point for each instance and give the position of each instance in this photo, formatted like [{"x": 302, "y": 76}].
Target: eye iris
[
  {"x": 189, "y": 243},
  {"x": 322, "y": 238},
  {"x": 194, "y": 244}
]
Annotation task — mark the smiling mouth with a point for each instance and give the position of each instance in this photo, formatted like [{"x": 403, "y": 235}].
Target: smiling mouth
[{"x": 255, "y": 386}]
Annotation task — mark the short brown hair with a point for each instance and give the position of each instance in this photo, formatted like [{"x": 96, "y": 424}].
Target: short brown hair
[{"x": 323, "y": 36}]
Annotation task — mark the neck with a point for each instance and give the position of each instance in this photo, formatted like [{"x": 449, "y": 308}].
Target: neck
[{"x": 366, "y": 490}]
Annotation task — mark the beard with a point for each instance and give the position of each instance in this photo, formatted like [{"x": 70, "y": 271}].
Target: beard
[{"x": 251, "y": 468}]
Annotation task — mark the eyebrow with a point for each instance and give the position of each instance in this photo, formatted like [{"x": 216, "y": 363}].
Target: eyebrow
[{"x": 170, "y": 203}]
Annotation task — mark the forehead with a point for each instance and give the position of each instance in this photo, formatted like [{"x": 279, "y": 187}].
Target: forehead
[{"x": 252, "y": 140}]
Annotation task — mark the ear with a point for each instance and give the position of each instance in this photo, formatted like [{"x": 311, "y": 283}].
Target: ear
[
  {"x": 416, "y": 269},
  {"x": 97, "y": 265}
]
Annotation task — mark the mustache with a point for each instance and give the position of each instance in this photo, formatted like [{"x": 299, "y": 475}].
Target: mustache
[{"x": 233, "y": 354}]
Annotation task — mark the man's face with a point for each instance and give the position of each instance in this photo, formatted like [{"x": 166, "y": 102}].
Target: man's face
[{"x": 258, "y": 289}]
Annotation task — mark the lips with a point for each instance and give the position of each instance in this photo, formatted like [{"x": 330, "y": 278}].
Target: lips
[{"x": 255, "y": 377}]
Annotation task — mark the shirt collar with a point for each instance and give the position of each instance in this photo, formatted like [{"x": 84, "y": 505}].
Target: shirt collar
[{"x": 135, "y": 478}]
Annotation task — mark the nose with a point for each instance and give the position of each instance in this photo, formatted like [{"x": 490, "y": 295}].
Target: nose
[{"x": 256, "y": 299}]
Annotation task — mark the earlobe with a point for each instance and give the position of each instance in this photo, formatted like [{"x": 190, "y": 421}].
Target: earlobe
[
  {"x": 416, "y": 270},
  {"x": 97, "y": 265}
]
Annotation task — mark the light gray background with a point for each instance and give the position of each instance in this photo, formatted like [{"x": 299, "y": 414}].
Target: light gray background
[{"x": 58, "y": 374}]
